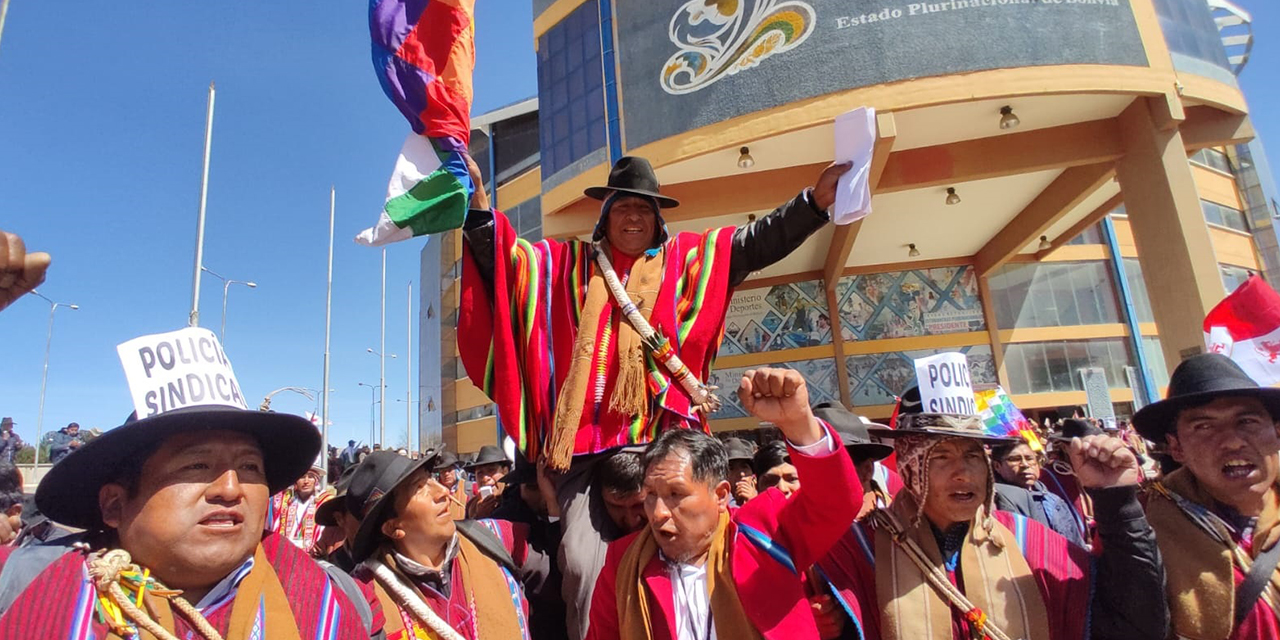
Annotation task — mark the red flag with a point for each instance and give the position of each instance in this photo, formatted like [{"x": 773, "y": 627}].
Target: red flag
[{"x": 1246, "y": 327}]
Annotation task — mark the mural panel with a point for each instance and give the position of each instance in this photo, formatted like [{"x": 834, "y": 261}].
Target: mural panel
[{"x": 901, "y": 304}]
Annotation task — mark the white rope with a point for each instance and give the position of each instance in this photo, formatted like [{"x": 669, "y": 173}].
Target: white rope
[
  {"x": 404, "y": 595},
  {"x": 703, "y": 396},
  {"x": 936, "y": 578}
]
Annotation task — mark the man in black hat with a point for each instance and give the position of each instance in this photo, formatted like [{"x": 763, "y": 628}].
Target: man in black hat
[
  {"x": 742, "y": 476},
  {"x": 634, "y": 294},
  {"x": 173, "y": 507},
  {"x": 940, "y": 562},
  {"x": 488, "y": 468},
  {"x": 434, "y": 576},
  {"x": 448, "y": 469},
  {"x": 10, "y": 443},
  {"x": 339, "y": 526},
  {"x": 1217, "y": 519}
]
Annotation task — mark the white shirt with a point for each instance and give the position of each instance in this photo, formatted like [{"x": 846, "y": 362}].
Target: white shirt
[{"x": 693, "y": 606}]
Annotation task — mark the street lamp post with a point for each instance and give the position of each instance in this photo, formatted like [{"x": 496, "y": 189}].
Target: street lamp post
[
  {"x": 382, "y": 396},
  {"x": 373, "y": 403},
  {"x": 44, "y": 380},
  {"x": 226, "y": 284},
  {"x": 408, "y": 432}
]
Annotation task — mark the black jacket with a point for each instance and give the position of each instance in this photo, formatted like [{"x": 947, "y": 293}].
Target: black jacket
[
  {"x": 1128, "y": 600},
  {"x": 540, "y": 575},
  {"x": 756, "y": 245}
]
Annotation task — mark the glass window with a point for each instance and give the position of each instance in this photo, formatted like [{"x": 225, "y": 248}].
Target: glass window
[
  {"x": 515, "y": 145},
  {"x": 1138, "y": 290},
  {"x": 1220, "y": 215},
  {"x": 1092, "y": 235},
  {"x": 1214, "y": 159},
  {"x": 1154, "y": 352},
  {"x": 479, "y": 150},
  {"x": 1046, "y": 367},
  {"x": 1189, "y": 30},
  {"x": 1051, "y": 294},
  {"x": 570, "y": 89},
  {"x": 1233, "y": 277}
]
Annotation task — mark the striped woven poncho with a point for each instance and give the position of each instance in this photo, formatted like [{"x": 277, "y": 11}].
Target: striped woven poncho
[{"x": 516, "y": 339}]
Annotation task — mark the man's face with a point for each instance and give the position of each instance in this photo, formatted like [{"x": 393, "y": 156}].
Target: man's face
[
  {"x": 306, "y": 484},
  {"x": 422, "y": 515},
  {"x": 449, "y": 477},
  {"x": 1020, "y": 466},
  {"x": 626, "y": 510},
  {"x": 631, "y": 225},
  {"x": 683, "y": 513},
  {"x": 199, "y": 509},
  {"x": 1230, "y": 446},
  {"x": 73, "y": 429},
  {"x": 957, "y": 481},
  {"x": 487, "y": 475},
  {"x": 783, "y": 476},
  {"x": 348, "y": 524},
  {"x": 866, "y": 470},
  {"x": 739, "y": 469}
]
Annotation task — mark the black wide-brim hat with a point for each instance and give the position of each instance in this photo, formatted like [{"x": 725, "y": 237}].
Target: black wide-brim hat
[
  {"x": 327, "y": 509},
  {"x": 631, "y": 174},
  {"x": 447, "y": 460},
  {"x": 69, "y": 493},
  {"x": 913, "y": 421},
  {"x": 739, "y": 449},
  {"x": 853, "y": 429},
  {"x": 1076, "y": 428},
  {"x": 1198, "y": 380},
  {"x": 489, "y": 454},
  {"x": 370, "y": 494}
]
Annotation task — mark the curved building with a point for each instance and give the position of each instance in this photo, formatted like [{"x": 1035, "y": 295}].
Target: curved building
[{"x": 1062, "y": 188}]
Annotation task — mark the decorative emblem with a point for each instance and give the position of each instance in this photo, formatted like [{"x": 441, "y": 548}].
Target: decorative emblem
[{"x": 718, "y": 38}]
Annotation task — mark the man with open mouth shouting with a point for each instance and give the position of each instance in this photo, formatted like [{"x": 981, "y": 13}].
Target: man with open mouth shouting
[
  {"x": 947, "y": 566},
  {"x": 1216, "y": 518},
  {"x": 173, "y": 507}
]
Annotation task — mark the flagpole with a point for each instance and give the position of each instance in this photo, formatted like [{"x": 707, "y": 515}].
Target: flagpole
[
  {"x": 408, "y": 366},
  {"x": 4, "y": 11},
  {"x": 194, "y": 318},
  {"x": 328, "y": 308},
  {"x": 382, "y": 359}
]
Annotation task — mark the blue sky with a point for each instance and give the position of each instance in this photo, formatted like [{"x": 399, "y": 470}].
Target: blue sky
[{"x": 101, "y": 129}]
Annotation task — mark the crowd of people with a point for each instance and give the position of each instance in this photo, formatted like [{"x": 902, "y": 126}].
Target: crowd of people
[{"x": 622, "y": 517}]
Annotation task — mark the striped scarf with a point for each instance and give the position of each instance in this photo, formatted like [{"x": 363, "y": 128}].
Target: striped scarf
[{"x": 286, "y": 595}]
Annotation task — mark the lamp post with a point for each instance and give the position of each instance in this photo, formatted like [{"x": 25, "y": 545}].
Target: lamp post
[
  {"x": 226, "y": 284},
  {"x": 44, "y": 380},
  {"x": 408, "y": 432},
  {"x": 382, "y": 396},
  {"x": 373, "y": 403}
]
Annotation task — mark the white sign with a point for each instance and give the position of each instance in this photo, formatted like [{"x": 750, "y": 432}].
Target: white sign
[
  {"x": 855, "y": 142},
  {"x": 184, "y": 368},
  {"x": 944, "y": 384}
]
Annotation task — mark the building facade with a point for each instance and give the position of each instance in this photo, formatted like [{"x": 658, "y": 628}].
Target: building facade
[{"x": 1062, "y": 189}]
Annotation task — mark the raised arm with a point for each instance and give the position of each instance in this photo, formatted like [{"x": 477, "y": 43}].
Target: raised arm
[
  {"x": 763, "y": 242},
  {"x": 830, "y": 494},
  {"x": 1129, "y": 584}
]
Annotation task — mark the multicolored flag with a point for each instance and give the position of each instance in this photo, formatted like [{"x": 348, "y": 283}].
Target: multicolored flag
[
  {"x": 424, "y": 53},
  {"x": 1245, "y": 327},
  {"x": 1003, "y": 419}
]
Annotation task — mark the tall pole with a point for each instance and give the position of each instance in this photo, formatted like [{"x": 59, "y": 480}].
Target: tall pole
[
  {"x": 408, "y": 365},
  {"x": 194, "y": 318},
  {"x": 328, "y": 307},
  {"x": 382, "y": 359},
  {"x": 4, "y": 11},
  {"x": 44, "y": 380},
  {"x": 222, "y": 332}
]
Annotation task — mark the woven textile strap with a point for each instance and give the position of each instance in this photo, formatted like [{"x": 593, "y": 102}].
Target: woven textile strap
[
  {"x": 659, "y": 347},
  {"x": 983, "y": 627}
]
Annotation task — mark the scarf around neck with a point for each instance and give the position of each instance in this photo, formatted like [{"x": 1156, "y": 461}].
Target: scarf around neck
[
  {"x": 1201, "y": 557},
  {"x": 593, "y": 340},
  {"x": 994, "y": 576},
  {"x": 635, "y": 605}
]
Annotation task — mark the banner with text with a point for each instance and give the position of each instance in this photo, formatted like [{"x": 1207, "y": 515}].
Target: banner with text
[{"x": 179, "y": 369}]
